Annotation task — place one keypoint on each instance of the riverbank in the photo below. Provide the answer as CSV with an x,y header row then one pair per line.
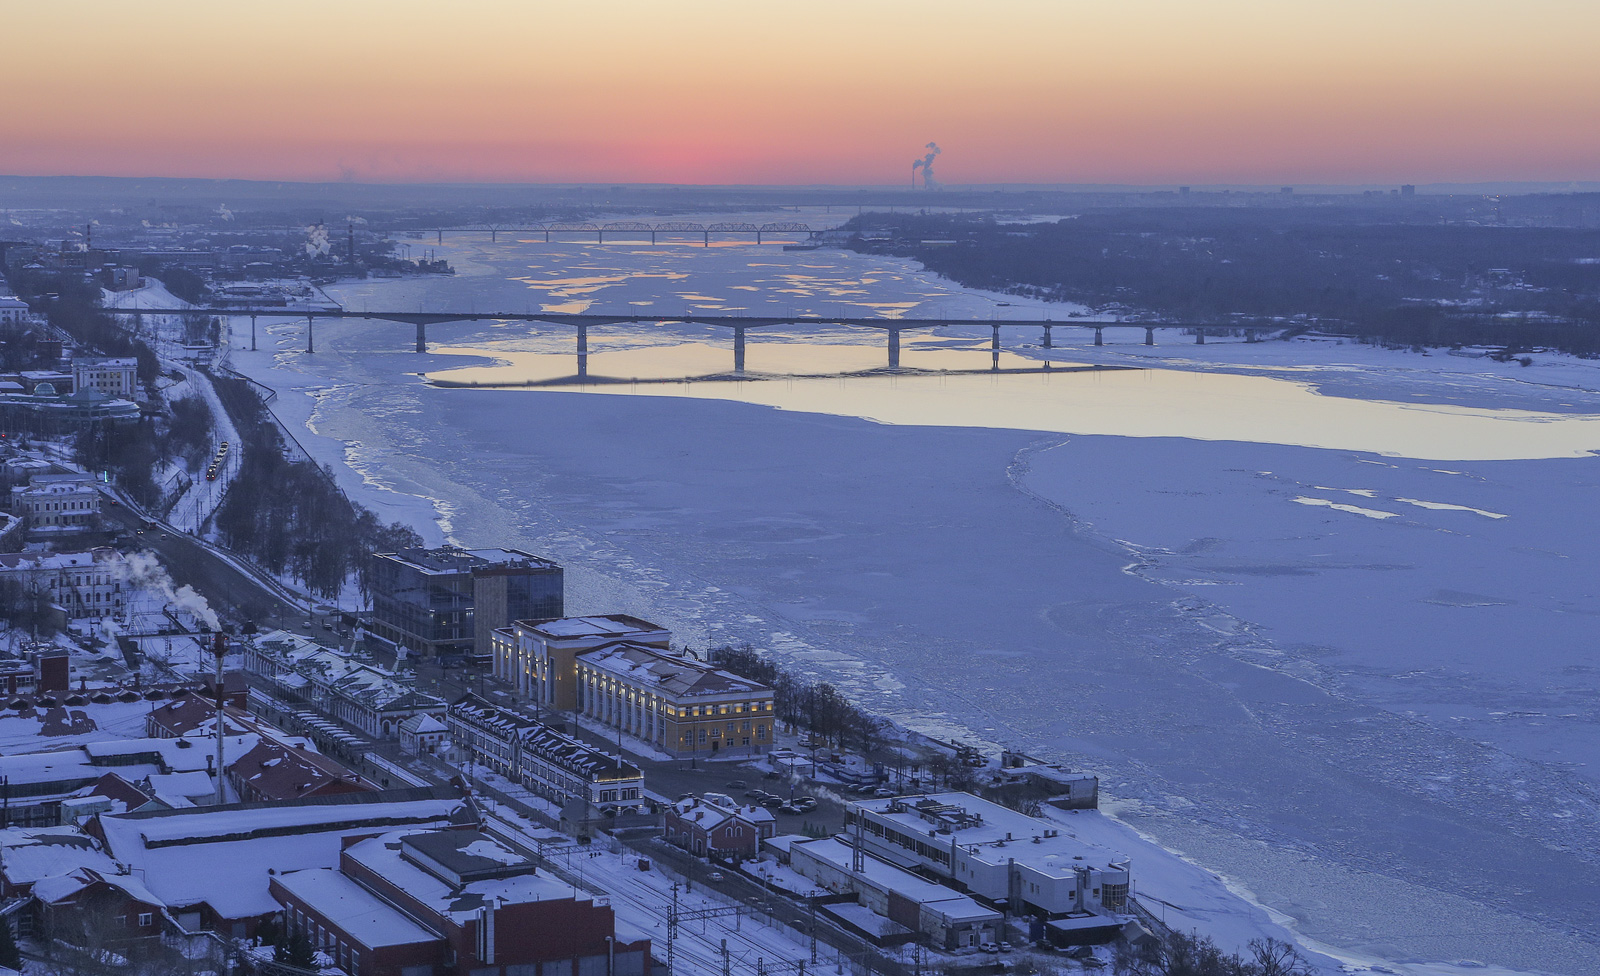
x,y
903,563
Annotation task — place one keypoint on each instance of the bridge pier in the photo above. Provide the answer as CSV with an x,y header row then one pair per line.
x,y
252,333
1199,337
422,337
652,237
707,241
441,236
311,333
894,348
738,349
583,350
1149,337
494,236
1047,337
1099,337
994,343
547,237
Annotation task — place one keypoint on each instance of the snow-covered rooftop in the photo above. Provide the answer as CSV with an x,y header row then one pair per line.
x,y
990,832
369,919
384,856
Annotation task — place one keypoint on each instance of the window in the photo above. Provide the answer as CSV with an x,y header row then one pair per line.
x,y
761,731
122,921
146,919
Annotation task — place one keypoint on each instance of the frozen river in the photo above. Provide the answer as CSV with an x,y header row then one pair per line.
x,y
1322,617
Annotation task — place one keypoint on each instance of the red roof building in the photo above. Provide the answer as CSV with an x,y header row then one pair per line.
x,y
273,771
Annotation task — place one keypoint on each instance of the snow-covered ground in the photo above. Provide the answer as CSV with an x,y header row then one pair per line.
x,y
201,498
1331,676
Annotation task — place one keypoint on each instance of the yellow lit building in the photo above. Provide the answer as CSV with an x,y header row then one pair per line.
x,y
679,705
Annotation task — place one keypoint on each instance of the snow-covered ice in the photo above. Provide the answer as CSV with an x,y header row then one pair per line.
x,y
1376,726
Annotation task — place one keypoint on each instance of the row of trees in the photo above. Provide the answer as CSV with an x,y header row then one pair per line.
x,y
1192,954
291,517
816,706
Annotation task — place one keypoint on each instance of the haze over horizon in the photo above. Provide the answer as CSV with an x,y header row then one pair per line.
x,y
715,92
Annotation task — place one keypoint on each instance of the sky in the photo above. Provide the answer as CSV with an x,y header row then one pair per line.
x,y
804,91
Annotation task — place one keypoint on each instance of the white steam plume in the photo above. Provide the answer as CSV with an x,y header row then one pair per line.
x,y
145,571
316,240
926,165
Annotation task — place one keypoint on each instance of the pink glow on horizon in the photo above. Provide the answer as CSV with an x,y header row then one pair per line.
x,y
706,91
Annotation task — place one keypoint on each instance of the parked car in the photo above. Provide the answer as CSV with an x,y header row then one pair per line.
x,y
754,794
737,784
772,802
1005,947
990,947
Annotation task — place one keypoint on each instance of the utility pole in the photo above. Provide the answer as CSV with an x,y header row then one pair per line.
x,y
813,901
672,927
219,647
727,969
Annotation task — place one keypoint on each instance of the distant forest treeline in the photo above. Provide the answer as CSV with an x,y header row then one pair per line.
x,y
1414,284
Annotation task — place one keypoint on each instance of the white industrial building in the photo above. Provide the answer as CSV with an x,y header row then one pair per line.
x,y
949,918
1004,858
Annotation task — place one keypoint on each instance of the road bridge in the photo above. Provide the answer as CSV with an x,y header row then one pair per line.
x,y
739,325
634,230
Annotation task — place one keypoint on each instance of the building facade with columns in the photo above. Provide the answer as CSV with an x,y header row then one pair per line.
x,y
682,706
540,657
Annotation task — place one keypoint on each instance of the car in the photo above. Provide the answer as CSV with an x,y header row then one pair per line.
x,y
884,791
737,784
990,947
806,799
1005,947
805,806
789,808
714,876
755,794
772,802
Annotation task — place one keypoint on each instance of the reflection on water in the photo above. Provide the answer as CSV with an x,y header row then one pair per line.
x,y
942,383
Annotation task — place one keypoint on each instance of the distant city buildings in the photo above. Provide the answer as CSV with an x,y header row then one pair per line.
x,y
446,602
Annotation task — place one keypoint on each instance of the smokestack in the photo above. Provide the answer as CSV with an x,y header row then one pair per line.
x,y
219,647
88,236
350,248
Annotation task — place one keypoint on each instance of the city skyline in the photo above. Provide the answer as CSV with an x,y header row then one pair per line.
x,y
705,91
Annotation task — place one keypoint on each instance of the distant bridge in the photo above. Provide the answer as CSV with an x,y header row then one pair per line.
x,y
624,229
581,322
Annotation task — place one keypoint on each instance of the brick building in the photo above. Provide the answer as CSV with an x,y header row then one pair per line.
x,y
423,903
704,828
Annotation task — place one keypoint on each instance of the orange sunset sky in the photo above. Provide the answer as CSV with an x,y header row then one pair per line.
x,y
819,91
